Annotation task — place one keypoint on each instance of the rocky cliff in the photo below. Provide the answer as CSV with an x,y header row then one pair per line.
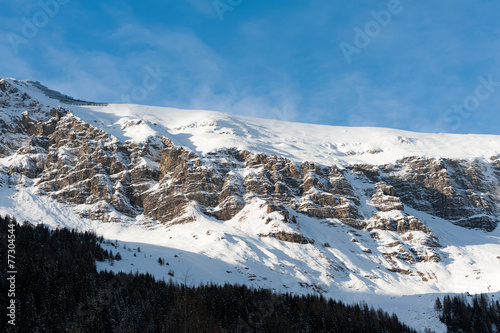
x,y
80,164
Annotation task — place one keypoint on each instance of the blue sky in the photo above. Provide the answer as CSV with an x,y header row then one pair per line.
x,y
428,66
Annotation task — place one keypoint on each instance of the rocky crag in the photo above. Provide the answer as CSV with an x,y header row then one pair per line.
x,y
104,179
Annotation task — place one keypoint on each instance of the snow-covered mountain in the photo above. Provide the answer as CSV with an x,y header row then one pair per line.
x,y
386,216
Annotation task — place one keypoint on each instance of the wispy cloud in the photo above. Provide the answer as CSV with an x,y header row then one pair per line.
x,y
275,59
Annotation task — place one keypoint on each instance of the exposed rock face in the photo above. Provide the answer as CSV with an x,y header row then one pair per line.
x,y
385,198
78,163
289,237
454,190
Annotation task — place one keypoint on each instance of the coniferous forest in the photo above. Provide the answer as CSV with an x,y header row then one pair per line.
x,y
476,315
58,289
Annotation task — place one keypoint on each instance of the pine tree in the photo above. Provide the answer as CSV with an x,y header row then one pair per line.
x,y
437,305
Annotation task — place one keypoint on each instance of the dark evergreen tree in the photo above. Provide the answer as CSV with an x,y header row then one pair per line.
x,y
478,314
437,305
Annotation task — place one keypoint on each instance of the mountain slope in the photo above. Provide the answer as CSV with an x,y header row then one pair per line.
x,y
355,212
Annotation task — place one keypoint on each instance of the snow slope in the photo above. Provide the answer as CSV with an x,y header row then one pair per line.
x,y
206,131
211,250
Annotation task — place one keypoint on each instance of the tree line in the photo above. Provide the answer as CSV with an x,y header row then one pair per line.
x,y
479,314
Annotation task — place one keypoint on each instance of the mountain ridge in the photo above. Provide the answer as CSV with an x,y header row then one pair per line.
x,y
204,131
315,208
